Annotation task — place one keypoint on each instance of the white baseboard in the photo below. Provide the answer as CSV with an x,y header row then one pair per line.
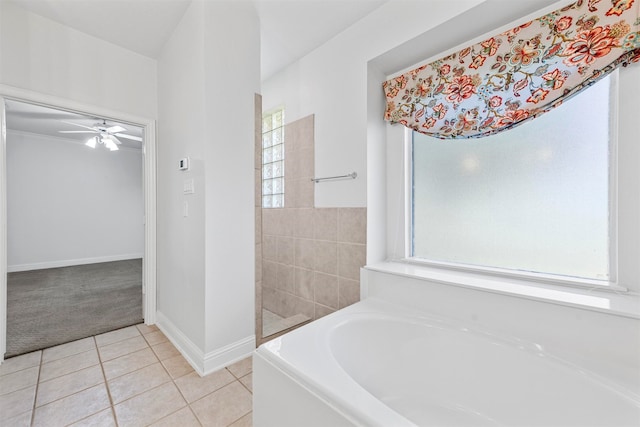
x,y
70,262
191,352
229,354
203,363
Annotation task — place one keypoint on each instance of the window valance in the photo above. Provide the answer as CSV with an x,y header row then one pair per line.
x,y
519,74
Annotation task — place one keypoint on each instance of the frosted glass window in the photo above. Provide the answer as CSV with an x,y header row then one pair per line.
x,y
273,159
535,198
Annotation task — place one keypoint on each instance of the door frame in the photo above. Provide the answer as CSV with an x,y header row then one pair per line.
x,y
149,150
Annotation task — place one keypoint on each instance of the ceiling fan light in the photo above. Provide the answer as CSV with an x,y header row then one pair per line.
x,y
91,142
110,144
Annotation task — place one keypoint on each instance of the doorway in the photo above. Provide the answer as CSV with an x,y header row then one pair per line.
x,y
147,130
75,235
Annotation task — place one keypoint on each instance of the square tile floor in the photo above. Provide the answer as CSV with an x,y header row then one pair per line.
x,y
129,377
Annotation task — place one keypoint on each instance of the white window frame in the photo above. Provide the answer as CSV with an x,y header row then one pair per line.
x,y
548,278
624,211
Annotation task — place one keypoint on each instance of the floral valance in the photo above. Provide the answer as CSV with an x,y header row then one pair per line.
x,y
519,74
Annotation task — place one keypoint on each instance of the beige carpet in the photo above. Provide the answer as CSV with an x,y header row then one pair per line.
x,y
57,305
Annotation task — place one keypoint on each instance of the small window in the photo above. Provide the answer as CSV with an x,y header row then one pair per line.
x,y
533,199
273,159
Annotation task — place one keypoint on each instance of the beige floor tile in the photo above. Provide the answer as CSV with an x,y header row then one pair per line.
x,y
241,367
247,380
72,408
224,406
194,387
69,364
246,421
165,350
147,329
17,403
137,382
149,407
183,418
177,366
21,362
101,419
66,385
154,338
121,348
22,420
19,380
68,349
129,363
117,335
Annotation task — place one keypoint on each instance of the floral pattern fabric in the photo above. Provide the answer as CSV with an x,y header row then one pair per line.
x,y
519,74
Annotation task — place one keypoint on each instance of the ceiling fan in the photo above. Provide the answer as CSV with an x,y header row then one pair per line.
x,y
107,135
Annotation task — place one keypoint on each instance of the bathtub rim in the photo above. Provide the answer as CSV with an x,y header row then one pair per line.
x,y
321,363
314,339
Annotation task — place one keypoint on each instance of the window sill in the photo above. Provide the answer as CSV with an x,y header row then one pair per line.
x,y
612,302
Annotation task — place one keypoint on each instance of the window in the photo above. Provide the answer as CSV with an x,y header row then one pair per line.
x,y
534,199
273,159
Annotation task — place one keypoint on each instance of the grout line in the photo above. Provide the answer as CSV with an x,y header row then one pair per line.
x,y
229,370
242,384
176,411
106,384
130,372
120,342
35,393
69,395
89,416
186,401
73,355
242,416
144,391
194,414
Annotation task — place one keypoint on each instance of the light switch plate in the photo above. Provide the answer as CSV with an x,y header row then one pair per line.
x,y
188,187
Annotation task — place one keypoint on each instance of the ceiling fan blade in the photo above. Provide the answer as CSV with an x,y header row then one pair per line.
x,y
125,136
114,139
82,126
115,129
77,131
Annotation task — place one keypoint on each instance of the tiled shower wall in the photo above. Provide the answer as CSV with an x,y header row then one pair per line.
x,y
311,257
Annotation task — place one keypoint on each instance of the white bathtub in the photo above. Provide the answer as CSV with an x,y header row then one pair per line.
x,y
380,364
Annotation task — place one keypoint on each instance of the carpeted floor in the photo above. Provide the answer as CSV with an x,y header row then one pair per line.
x,y
57,305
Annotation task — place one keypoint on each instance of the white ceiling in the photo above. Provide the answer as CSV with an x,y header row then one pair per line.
x,y
142,26
289,29
24,117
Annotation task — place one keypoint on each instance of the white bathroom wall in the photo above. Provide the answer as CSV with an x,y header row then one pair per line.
x,y
181,133
206,112
331,82
232,67
68,204
41,55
